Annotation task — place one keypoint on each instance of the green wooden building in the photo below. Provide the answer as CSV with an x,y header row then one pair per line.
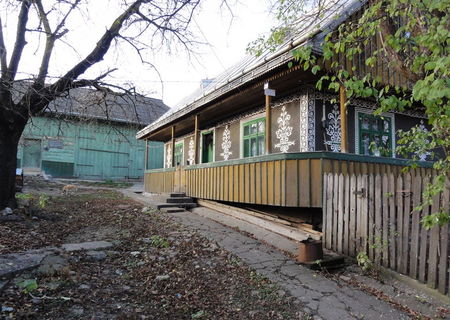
x,y
90,135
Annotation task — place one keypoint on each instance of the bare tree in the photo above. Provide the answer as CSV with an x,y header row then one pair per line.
x,y
142,24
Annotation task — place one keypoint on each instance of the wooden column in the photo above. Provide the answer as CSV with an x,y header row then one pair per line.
x,y
268,125
343,107
173,146
196,138
146,155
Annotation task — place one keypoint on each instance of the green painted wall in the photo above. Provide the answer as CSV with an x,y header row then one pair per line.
x,y
86,150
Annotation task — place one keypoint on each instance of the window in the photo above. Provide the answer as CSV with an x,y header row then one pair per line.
x,y
179,154
207,146
375,135
254,137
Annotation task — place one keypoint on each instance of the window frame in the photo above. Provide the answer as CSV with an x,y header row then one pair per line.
x,y
391,116
178,143
202,133
246,122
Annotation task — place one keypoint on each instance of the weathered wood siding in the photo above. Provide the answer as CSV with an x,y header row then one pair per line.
x,y
375,214
291,180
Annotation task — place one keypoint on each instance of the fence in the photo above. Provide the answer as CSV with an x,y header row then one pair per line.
x,y
375,214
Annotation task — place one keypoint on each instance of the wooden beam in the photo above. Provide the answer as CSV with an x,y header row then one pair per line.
x,y
343,107
268,125
173,146
146,155
196,138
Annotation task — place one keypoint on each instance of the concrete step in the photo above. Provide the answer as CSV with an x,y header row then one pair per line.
x,y
180,200
176,205
172,210
177,194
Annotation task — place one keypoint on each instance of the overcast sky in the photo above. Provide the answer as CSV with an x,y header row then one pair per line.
x,y
181,73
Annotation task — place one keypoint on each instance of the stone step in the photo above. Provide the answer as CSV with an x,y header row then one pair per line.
x,y
172,210
180,200
175,205
177,194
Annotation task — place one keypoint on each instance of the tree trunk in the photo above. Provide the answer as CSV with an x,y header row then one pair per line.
x,y
9,140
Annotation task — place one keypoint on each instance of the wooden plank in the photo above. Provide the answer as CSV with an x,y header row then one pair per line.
x,y
236,183
291,183
340,222
444,245
399,199
258,183
277,183
241,183
286,231
424,242
264,183
352,224
385,220
417,196
335,210
329,230
434,243
325,210
283,183
304,185
252,183
371,215
316,183
364,214
378,219
392,223
406,221
358,213
270,183
247,183
346,214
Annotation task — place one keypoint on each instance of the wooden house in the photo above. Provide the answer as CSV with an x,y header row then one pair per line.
x,y
89,135
261,134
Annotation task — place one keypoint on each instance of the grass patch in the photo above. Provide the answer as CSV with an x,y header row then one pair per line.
x,y
107,183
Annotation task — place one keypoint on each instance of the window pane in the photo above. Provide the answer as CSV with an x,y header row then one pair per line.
x,y
253,147
261,145
387,125
246,148
365,144
261,126
365,123
246,130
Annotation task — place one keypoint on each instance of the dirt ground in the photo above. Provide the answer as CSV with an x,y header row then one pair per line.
x,y
156,269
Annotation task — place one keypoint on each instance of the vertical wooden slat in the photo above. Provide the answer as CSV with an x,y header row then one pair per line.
x,y
236,183
324,211
359,234
352,224
406,221
264,183
364,214
247,182
304,185
399,199
291,183
385,218
329,231
434,243
270,182
258,183
335,210
371,215
378,219
444,252
316,183
417,193
423,243
346,214
340,213
241,183
277,183
252,182
392,223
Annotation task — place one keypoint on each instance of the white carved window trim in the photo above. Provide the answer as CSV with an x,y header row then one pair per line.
x,y
189,138
393,133
226,153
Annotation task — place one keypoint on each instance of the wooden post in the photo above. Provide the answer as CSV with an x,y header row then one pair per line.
x,y
173,146
268,125
146,155
196,140
343,107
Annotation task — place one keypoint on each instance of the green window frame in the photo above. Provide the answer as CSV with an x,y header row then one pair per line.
x,y
253,137
375,135
179,154
207,154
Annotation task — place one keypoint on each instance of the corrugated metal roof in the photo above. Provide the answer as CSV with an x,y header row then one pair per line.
x,y
311,29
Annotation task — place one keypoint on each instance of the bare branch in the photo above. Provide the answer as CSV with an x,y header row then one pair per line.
x,y
20,40
49,44
3,63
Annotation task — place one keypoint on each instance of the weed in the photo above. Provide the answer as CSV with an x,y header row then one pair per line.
x,y
159,242
199,315
24,196
43,200
27,285
363,261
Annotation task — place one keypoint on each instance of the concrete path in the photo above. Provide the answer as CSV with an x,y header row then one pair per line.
x,y
319,296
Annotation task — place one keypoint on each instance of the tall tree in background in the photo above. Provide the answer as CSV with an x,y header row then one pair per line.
x,y
412,39
141,24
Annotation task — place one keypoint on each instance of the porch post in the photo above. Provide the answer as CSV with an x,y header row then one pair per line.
x,y
146,154
196,140
343,107
173,146
268,124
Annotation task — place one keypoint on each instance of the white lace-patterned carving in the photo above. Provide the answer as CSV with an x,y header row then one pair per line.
x,y
423,156
333,130
191,151
226,143
307,122
169,156
284,131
